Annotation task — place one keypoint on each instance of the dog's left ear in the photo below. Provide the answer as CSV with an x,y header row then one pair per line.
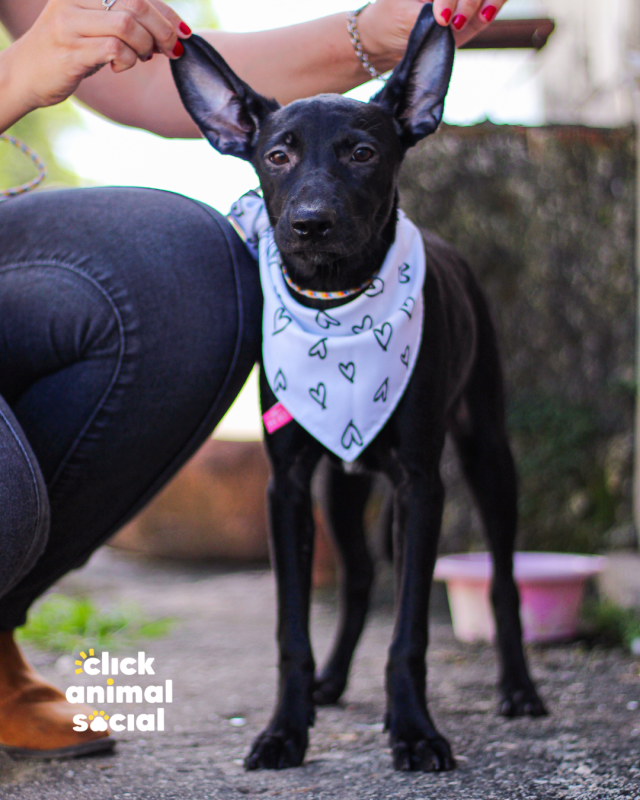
x,y
414,94
226,109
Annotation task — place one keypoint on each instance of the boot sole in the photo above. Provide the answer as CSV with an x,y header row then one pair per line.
x,y
72,751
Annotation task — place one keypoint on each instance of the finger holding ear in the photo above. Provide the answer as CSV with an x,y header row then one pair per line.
x,y
98,50
485,14
466,17
180,26
117,25
121,56
443,11
462,12
488,10
472,16
154,19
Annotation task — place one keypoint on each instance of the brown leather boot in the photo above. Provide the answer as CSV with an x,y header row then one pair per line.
x,y
36,721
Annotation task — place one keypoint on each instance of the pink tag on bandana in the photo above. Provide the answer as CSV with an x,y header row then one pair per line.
x,y
276,417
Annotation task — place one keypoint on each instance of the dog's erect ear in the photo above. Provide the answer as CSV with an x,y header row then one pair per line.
x,y
415,92
224,107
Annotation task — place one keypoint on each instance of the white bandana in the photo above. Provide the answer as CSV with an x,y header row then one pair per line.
x,y
339,373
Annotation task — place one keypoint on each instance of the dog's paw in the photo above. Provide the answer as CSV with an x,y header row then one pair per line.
x,y
521,703
328,689
277,747
423,755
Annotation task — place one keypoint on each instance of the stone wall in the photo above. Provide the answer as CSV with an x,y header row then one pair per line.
x,y
546,218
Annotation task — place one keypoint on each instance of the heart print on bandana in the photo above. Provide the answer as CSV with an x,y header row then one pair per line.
x,y
280,320
348,370
319,394
365,325
319,349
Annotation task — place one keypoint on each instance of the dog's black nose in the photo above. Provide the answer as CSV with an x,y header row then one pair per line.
x,y
313,222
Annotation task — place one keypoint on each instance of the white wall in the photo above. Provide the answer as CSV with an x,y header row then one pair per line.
x,y
587,69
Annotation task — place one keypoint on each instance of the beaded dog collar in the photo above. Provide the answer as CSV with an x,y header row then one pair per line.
x,y
324,295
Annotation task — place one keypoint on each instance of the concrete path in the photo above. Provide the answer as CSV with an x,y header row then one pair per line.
x,y
221,656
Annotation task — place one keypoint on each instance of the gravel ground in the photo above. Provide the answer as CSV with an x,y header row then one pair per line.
x,y
221,655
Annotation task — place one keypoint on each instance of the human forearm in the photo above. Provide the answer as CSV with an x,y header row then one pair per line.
x,y
14,99
300,60
317,56
286,63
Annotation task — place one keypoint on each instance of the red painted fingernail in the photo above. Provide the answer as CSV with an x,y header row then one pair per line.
x,y
184,28
458,21
489,13
178,50
446,15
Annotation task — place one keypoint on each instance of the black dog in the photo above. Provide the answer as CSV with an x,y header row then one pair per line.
x,y
328,167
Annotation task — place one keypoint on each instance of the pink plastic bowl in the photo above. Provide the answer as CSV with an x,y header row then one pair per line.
x,y
551,590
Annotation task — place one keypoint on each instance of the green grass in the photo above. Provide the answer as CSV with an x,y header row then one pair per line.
x,y
65,624
611,625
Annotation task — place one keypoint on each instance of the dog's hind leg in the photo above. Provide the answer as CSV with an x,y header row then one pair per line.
x,y
478,429
345,497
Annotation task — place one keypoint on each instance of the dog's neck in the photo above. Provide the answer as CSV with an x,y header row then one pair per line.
x,y
345,274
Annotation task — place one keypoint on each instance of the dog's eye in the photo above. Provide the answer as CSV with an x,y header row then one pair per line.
x,y
278,158
362,154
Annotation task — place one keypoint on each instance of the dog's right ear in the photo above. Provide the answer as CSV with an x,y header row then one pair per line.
x,y
224,107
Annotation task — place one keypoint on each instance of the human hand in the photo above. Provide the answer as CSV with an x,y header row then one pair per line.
x,y
386,24
72,39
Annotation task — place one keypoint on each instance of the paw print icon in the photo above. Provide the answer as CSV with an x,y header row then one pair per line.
x,y
98,722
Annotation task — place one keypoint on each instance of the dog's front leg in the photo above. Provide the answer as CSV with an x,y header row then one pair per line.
x,y
284,741
415,742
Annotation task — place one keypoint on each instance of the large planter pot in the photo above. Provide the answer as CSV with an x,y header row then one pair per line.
x,y
551,587
215,509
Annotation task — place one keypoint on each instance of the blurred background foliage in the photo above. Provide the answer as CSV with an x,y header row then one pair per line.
x,y
41,128
546,218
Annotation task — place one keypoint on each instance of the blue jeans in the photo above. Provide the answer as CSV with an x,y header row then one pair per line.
x,y
129,320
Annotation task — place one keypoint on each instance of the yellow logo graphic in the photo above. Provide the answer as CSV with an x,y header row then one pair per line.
x,y
98,722
79,663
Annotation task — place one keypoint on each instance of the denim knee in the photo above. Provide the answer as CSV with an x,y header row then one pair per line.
x,y
24,505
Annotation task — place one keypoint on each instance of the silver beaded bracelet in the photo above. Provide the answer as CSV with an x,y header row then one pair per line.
x,y
354,35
